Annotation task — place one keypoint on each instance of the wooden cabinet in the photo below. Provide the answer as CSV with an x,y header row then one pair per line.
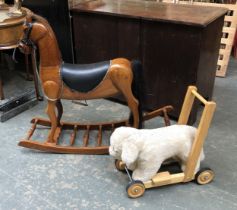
x,y
177,44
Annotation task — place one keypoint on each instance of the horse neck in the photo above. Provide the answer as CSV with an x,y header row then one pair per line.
x,y
49,51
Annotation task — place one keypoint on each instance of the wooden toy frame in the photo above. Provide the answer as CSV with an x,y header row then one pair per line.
x,y
136,188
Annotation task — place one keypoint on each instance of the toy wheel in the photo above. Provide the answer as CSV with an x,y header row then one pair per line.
x,y
119,165
204,176
135,189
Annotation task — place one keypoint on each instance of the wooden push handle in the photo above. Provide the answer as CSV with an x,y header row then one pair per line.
x,y
202,129
199,97
188,103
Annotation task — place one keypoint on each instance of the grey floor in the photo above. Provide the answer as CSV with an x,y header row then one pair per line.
x,y
35,180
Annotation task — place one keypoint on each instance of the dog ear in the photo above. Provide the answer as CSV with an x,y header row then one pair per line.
x,y
130,151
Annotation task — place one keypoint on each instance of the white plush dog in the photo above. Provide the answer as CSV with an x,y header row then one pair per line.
x,y
143,151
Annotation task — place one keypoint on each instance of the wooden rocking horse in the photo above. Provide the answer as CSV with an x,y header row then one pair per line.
x,y
78,82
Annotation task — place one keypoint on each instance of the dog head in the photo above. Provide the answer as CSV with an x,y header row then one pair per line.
x,y
118,137
125,146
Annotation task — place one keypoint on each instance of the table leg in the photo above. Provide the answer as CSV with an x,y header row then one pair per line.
x,y
1,89
36,81
28,77
1,83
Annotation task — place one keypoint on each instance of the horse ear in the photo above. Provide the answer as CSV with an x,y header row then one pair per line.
x,y
130,151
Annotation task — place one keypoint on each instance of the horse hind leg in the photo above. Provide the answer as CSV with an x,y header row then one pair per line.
x,y
125,88
122,78
138,89
133,105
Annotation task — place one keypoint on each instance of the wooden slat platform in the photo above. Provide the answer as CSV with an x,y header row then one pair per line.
x,y
97,147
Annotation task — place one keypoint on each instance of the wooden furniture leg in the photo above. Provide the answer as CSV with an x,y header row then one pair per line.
x,y
28,77
36,83
1,89
1,83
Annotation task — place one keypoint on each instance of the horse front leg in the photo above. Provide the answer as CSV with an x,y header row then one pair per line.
x,y
50,110
51,90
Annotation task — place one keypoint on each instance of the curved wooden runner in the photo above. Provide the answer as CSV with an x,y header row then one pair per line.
x,y
28,142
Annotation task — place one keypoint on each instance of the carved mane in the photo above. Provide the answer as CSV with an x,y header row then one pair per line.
x,y
51,33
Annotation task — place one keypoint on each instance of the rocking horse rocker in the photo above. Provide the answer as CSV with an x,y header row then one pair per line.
x,y
79,82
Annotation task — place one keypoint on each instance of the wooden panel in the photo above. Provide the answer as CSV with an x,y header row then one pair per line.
x,y
208,58
170,63
229,30
95,38
128,38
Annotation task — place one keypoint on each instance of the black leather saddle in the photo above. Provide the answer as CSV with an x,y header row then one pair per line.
x,y
84,77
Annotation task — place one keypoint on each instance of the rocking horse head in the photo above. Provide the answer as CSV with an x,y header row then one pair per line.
x,y
37,31
79,81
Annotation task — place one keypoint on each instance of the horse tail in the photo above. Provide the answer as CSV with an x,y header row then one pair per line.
x,y
138,90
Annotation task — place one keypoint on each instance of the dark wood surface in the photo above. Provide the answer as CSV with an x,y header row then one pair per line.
x,y
174,53
175,13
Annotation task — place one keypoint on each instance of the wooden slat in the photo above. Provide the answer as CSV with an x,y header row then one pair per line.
x,y
166,118
47,147
222,71
231,20
222,62
73,136
31,131
228,30
228,47
99,136
86,136
187,106
70,125
225,41
158,112
164,178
